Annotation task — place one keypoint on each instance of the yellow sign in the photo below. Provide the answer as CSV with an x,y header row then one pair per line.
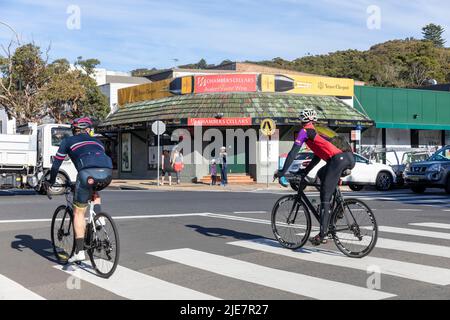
x,y
322,86
268,127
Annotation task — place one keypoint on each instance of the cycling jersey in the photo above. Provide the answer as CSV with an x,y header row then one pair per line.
x,y
85,152
319,144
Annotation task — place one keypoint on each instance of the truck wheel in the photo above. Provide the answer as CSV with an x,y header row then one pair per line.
x,y
355,187
60,180
418,189
384,181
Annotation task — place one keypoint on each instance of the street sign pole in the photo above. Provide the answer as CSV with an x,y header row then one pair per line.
x,y
268,138
159,155
158,128
268,127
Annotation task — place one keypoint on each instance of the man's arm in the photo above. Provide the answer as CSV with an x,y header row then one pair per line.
x,y
58,160
301,139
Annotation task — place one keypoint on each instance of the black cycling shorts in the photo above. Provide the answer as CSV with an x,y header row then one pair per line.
x,y
83,190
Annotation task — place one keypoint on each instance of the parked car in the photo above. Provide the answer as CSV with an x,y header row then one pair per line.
x,y
433,173
364,174
391,156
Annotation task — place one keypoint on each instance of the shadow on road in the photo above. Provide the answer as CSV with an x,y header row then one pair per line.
x,y
223,233
42,247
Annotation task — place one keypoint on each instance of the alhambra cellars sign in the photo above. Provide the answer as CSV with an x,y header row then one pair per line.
x,y
225,83
222,122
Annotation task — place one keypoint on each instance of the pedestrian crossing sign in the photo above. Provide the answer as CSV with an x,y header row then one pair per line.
x,y
268,127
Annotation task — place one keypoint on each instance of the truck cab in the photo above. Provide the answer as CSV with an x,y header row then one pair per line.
x,y
27,156
49,137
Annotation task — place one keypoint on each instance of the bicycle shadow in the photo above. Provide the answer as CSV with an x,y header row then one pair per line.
x,y
42,247
224,233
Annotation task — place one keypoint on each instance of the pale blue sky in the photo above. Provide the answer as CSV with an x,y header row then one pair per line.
x,y
125,35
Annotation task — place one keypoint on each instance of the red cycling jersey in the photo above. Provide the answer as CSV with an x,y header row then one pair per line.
x,y
321,147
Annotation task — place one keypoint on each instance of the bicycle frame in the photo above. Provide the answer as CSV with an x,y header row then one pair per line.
x,y
90,208
337,199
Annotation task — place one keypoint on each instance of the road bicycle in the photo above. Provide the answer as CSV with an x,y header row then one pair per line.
x,y
353,226
101,238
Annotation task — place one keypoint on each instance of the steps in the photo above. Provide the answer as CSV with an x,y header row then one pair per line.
x,y
232,179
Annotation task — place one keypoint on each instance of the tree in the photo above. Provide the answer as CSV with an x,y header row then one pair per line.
x,y
31,88
434,34
202,64
23,75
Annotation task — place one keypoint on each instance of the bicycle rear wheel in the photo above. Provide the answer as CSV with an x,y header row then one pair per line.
x,y
63,234
354,228
104,248
291,222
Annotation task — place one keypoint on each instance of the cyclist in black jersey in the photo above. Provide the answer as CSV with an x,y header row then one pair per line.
x,y
94,173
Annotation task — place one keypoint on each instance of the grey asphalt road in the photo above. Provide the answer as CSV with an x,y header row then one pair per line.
x,y
206,245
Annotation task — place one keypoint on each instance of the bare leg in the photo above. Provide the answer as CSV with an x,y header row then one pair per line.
x,y
79,222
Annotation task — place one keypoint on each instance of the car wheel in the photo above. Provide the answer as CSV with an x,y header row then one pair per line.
x,y
384,181
418,189
355,187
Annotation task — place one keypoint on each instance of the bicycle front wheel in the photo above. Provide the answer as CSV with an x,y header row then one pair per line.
x,y
354,228
104,248
63,234
291,222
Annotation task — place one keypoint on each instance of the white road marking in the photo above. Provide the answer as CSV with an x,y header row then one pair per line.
x,y
414,247
282,280
134,285
149,216
412,271
410,210
432,225
11,290
415,232
243,212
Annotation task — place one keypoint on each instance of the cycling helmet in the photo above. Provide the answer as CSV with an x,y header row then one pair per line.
x,y
82,123
308,115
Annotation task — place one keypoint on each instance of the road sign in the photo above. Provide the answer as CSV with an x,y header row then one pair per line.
x,y
268,127
158,127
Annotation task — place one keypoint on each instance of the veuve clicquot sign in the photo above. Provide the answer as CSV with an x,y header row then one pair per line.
x,y
218,83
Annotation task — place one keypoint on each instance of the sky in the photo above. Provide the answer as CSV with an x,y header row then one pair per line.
x,y
129,34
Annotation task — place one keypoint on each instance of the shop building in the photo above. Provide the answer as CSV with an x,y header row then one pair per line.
x,y
205,111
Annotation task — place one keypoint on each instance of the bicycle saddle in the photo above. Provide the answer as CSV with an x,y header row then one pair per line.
x,y
346,173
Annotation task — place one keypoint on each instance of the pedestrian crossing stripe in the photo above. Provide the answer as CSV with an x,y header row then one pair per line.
x,y
296,283
11,290
411,271
432,225
135,285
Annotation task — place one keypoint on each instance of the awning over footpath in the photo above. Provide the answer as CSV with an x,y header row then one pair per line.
x,y
284,108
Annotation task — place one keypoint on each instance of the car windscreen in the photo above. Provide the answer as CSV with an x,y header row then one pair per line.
x,y
441,155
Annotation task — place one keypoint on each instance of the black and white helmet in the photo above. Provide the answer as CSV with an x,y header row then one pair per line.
x,y
308,115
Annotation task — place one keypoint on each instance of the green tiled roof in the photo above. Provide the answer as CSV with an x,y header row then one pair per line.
x,y
254,105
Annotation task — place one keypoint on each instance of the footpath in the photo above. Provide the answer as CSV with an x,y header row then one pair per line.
x,y
123,184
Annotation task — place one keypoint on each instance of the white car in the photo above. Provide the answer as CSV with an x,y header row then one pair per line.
x,y
365,172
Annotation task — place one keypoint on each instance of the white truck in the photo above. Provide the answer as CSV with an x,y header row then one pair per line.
x,y
27,156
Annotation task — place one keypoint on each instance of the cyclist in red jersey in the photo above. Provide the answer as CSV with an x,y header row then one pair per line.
x,y
338,159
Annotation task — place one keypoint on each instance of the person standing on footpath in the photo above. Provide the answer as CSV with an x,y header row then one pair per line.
x,y
166,167
178,163
213,172
223,166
